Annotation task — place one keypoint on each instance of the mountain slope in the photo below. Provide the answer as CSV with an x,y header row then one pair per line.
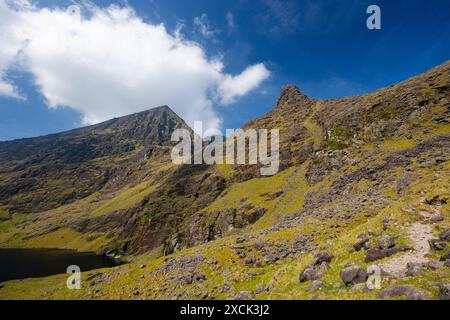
x,y
361,178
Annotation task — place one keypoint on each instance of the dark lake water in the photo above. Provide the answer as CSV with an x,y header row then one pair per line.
x,y
31,263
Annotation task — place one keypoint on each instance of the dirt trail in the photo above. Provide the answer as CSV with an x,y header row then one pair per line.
x,y
419,234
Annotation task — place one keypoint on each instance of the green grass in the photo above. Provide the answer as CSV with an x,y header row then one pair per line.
x,y
126,199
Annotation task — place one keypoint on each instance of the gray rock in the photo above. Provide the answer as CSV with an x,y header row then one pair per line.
x,y
359,287
323,257
386,242
445,235
436,219
310,273
409,291
353,274
437,244
316,284
261,288
444,291
445,257
434,264
243,295
363,243
413,269
324,266
373,254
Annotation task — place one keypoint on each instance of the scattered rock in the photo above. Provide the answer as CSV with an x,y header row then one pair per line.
x,y
316,284
323,257
434,264
310,273
261,288
142,266
258,246
240,240
413,269
359,287
437,244
444,291
373,254
386,242
435,201
363,243
243,295
445,235
409,291
353,274
436,218
324,266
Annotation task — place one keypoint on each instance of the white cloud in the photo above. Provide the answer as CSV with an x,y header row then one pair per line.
x,y
204,27
108,62
232,87
230,20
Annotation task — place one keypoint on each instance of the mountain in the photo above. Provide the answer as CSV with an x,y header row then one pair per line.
x,y
43,173
363,180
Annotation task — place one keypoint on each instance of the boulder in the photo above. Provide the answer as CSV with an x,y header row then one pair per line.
x,y
373,254
353,274
310,273
436,218
437,244
386,242
445,257
323,257
316,284
445,235
324,266
363,243
413,269
434,264
409,291
444,291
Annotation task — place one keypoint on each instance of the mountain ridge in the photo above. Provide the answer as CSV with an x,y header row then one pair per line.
x,y
363,167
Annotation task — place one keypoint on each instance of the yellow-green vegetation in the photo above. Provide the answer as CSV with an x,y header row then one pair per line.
x,y
126,199
398,144
315,131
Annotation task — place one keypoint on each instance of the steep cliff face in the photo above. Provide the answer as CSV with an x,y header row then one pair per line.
x,y
352,170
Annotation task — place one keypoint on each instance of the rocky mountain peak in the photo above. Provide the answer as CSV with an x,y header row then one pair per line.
x,y
290,94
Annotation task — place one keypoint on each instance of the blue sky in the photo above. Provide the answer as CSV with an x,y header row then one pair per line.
x,y
322,46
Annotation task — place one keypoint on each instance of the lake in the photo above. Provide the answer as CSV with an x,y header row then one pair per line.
x,y
31,263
